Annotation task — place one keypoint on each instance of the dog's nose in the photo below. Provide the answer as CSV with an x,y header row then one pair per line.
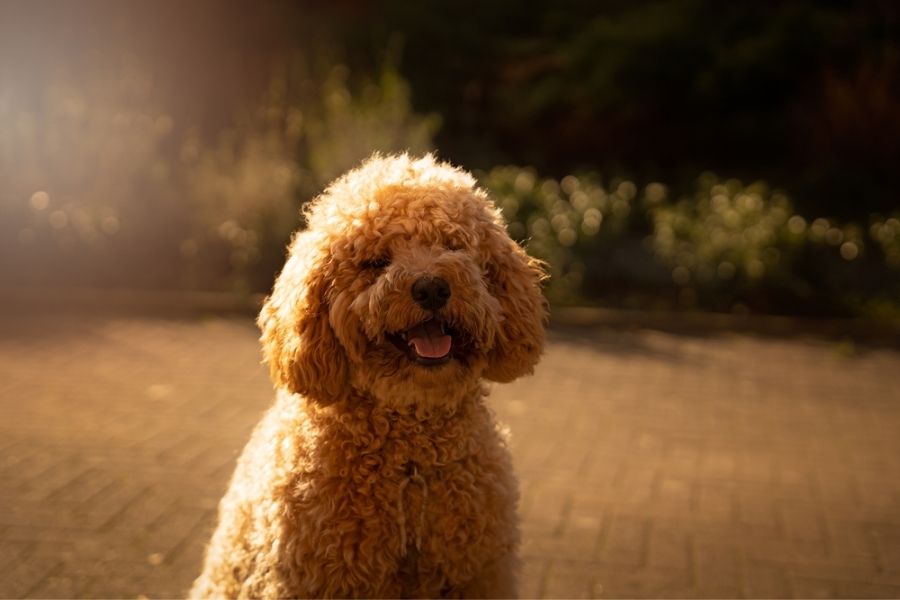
x,y
431,293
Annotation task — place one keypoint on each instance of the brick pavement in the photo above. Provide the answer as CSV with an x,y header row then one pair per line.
x,y
651,464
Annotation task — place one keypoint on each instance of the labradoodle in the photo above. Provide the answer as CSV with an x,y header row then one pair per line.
x,y
380,471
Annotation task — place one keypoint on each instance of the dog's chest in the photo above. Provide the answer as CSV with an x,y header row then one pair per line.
x,y
446,521
418,509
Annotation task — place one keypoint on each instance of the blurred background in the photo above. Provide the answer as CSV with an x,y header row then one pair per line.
x,y
736,157
698,174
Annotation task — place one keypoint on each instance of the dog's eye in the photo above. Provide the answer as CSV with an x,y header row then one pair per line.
x,y
376,264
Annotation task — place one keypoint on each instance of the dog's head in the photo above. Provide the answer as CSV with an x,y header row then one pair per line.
x,y
404,286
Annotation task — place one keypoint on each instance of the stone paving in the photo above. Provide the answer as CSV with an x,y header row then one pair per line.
x,y
651,464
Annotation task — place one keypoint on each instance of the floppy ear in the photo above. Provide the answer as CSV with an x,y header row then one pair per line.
x,y
299,343
515,280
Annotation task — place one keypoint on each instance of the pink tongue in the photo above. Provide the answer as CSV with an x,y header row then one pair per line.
x,y
428,347
429,341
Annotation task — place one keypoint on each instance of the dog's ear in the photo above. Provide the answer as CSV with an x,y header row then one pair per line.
x,y
514,278
304,355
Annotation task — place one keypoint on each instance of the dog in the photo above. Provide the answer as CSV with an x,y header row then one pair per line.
x,y
380,471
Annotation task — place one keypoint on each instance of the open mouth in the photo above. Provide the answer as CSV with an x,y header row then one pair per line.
x,y
430,343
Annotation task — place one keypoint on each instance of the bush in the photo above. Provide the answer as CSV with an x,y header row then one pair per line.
x,y
101,186
247,190
574,224
740,246
727,247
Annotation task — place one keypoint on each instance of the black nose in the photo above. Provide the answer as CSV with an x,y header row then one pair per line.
x,y
431,293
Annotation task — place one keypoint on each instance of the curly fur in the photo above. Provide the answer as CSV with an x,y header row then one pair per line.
x,y
372,475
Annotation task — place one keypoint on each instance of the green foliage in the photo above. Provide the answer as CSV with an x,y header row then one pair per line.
x,y
102,186
886,234
347,127
729,246
247,189
568,223
802,94
731,243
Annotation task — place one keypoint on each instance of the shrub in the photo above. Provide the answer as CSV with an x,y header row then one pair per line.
x,y
101,186
247,190
728,246
572,223
731,245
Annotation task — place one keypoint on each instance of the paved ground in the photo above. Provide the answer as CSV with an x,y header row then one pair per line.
x,y
651,464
